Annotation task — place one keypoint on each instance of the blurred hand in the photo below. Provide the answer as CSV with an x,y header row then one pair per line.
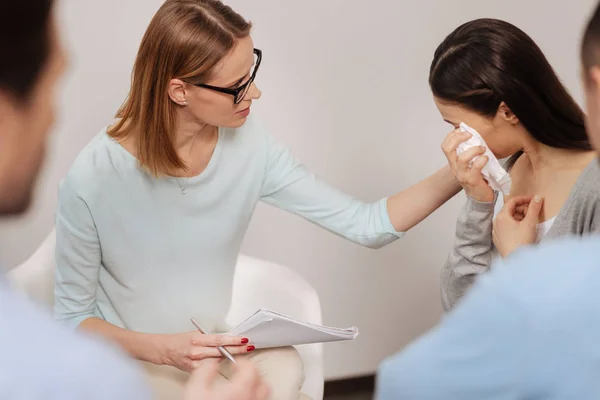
x,y
246,383
516,224
469,177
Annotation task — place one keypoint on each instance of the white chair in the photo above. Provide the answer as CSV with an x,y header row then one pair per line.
x,y
257,284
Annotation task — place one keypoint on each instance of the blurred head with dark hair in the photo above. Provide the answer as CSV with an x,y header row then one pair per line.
x,y
32,62
590,58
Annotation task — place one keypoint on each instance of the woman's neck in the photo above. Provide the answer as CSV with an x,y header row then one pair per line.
x,y
195,144
545,159
548,172
187,135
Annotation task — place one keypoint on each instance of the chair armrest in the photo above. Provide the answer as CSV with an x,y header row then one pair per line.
x,y
35,277
262,284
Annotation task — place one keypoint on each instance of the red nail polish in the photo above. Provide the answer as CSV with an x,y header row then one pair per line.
x,y
245,340
251,348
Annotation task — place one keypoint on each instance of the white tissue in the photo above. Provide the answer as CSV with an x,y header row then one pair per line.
x,y
494,174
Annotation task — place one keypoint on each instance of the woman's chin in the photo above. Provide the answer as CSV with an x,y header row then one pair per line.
x,y
236,123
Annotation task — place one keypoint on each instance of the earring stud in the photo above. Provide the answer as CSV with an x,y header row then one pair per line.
x,y
185,103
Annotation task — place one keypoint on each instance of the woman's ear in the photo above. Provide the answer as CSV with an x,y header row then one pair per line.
x,y
506,114
177,91
592,77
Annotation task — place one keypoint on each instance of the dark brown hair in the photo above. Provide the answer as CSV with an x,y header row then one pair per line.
x,y
185,40
487,61
24,44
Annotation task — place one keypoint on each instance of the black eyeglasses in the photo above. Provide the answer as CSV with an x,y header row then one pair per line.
x,y
239,92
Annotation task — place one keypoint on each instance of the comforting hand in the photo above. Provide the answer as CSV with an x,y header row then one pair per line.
x,y
516,223
469,177
186,350
246,383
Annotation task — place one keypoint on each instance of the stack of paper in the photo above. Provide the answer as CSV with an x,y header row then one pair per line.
x,y
267,329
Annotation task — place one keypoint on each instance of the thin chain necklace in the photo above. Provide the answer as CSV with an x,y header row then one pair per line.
x,y
184,187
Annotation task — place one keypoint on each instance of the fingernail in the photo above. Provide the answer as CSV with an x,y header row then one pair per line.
x,y
251,348
245,340
537,198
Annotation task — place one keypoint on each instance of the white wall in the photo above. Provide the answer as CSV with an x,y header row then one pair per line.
x,y
345,85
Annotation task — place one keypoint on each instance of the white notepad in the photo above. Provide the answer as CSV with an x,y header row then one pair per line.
x,y
267,329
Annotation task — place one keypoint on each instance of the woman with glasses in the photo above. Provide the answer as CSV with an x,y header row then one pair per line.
x,y
152,214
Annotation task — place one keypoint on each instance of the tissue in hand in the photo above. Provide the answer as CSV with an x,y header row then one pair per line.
x,y
494,174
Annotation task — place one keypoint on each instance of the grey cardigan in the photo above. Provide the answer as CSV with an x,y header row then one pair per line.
x,y
474,250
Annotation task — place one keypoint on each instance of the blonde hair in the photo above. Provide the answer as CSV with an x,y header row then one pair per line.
x,y
185,40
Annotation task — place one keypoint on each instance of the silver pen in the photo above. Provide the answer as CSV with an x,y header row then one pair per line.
x,y
221,349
